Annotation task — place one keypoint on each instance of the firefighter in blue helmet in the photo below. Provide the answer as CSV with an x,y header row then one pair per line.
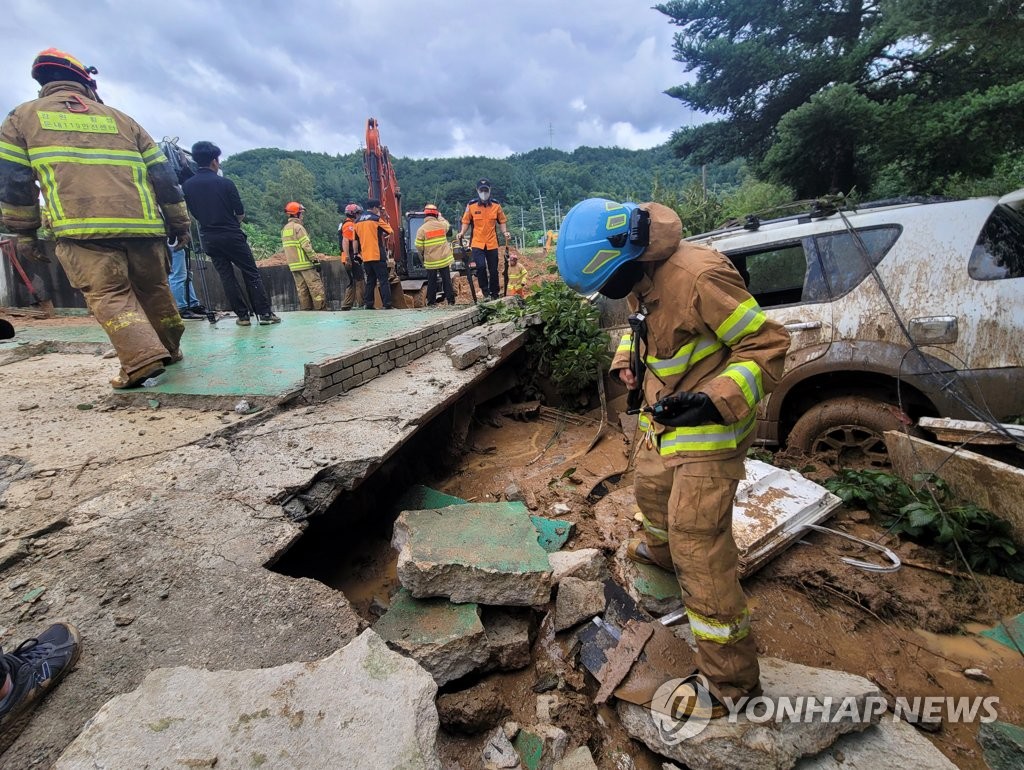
x,y
699,356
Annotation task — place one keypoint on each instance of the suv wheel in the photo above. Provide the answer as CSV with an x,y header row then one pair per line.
x,y
847,431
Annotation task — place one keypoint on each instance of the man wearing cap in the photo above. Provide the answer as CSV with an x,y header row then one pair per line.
x,y
433,245
485,216
113,201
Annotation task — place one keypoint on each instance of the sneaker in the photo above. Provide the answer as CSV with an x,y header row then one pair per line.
x,y
243,321
269,319
190,314
124,381
35,667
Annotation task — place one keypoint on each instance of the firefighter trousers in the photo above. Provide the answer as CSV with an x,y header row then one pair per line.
x,y
310,288
688,527
124,281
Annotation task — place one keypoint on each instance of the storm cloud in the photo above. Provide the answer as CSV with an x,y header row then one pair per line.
x,y
443,78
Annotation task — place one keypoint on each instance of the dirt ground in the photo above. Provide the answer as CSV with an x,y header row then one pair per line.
x,y
906,631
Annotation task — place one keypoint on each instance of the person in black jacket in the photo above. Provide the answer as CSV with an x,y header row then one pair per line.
x,y
216,205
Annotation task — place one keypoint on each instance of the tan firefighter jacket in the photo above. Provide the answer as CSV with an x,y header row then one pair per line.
x,y
297,246
704,333
101,174
432,242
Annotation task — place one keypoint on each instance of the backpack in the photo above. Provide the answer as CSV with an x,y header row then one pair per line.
x,y
180,160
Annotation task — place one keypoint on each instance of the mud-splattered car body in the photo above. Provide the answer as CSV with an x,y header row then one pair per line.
x,y
895,310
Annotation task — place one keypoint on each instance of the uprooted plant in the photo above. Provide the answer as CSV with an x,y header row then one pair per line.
x,y
568,345
928,513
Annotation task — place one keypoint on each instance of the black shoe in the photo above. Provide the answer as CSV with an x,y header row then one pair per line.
x,y
35,668
269,319
190,314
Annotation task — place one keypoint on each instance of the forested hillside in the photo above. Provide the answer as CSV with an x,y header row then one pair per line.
x,y
269,178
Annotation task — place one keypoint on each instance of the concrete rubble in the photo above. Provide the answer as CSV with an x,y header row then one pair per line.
x,y
447,639
494,340
472,553
289,716
1003,745
586,564
474,710
498,752
578,759
888,743
577,600
509,638
765,745
540,746
654,589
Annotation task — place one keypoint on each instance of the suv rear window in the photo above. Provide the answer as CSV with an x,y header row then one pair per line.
x,y
999,252
843,263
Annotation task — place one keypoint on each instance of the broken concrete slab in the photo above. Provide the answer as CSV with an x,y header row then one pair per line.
x,y
890,742
654,589
478,552
1003,745
577,600
743,744
289,716
419,498
446,639
971,431
465,350
971,476
585,564
578,759
508,635
1010,627
481,707
498,752
552,534
540,746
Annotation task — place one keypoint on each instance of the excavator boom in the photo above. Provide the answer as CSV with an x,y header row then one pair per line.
x,y
383,186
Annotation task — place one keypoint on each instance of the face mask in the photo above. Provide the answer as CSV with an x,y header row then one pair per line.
x,y
484,194
622,281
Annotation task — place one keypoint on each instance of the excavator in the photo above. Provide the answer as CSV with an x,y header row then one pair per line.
x,y
383,186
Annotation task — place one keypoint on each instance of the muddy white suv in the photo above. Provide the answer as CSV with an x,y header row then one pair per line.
x,y
927,319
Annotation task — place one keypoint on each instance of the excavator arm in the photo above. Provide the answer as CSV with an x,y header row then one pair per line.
x,y
383,186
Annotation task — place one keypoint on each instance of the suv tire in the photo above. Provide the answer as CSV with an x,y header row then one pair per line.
x,y
848,431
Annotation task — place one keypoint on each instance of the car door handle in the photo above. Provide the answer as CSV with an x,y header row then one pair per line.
x,y
803,326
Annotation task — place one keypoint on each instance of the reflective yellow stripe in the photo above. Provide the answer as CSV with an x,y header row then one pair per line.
x,y
437,264
684,358
85,156
145,195
21,217
153,156
747,375
298,258
48,182
14,153
746,319
108,225
625,343
656,532
716,631
701,438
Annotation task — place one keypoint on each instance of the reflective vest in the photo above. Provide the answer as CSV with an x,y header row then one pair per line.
x,y
101,174
517,278
432,242
297,246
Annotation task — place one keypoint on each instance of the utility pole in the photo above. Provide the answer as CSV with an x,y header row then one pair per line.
x,y
704,180
522,225
543,221
551,134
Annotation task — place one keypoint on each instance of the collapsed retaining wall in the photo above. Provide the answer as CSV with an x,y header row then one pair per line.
x,y
338,375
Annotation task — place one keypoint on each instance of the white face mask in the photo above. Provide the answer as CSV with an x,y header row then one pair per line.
x,y
484,194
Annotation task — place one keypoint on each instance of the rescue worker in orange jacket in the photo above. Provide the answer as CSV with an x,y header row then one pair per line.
x,y
113,201
355,287
710,356
369,231
302,260
433,244
486,216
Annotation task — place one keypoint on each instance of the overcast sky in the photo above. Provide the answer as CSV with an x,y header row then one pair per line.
x,y
444,78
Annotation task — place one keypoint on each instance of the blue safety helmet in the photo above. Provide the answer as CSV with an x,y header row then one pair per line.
x,y
597,237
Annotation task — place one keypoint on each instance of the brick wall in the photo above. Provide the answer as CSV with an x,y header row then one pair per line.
x,y
338,375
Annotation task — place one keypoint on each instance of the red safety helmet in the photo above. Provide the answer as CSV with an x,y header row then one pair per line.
x,y
431,210
294,208
54,64
353,210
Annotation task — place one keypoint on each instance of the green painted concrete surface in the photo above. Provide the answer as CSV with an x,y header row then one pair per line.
x,y
427,621
1002,744
1015,626
489,536
552,534
224,359
530,748
655,582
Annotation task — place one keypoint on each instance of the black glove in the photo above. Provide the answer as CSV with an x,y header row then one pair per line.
x,y
686,410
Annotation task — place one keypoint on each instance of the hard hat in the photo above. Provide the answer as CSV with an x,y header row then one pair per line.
x,y
597,237
431,210
513,257
353,210
294,208
54,64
